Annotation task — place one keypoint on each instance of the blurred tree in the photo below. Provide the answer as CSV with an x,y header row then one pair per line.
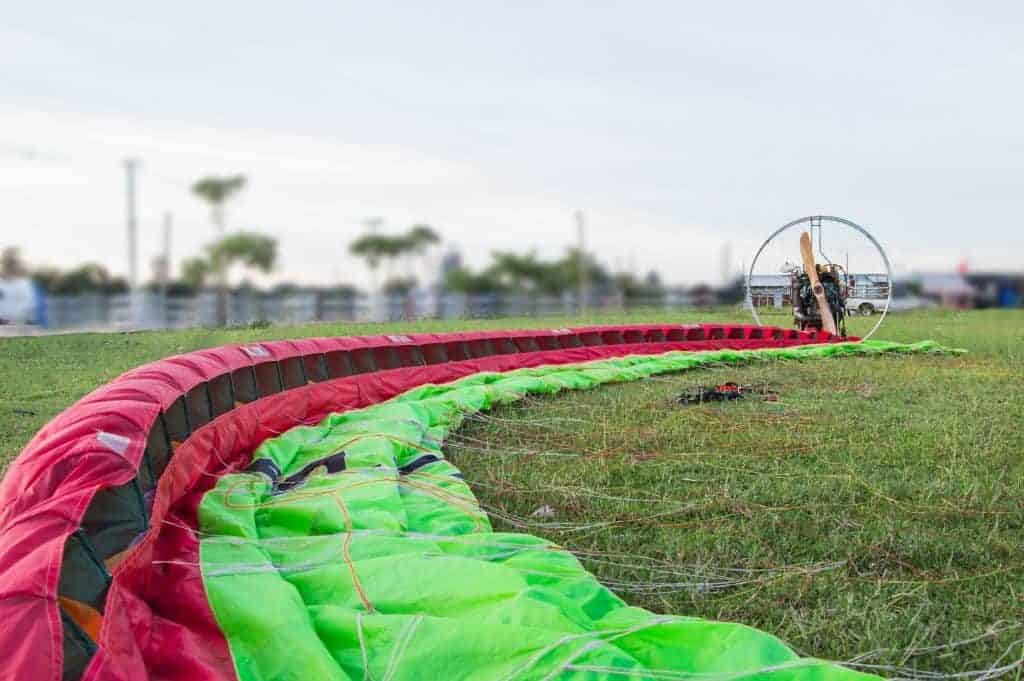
x,y
703,295
46,278
526,273
12,266
399,286
521,272
650,289
373,248
462,280
287,288
344,290
376,248
174,288
571,264
88,278
216,191
252,250
418,241
195,271
421,237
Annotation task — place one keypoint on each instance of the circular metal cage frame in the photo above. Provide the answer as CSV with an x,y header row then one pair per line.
x,y
818,219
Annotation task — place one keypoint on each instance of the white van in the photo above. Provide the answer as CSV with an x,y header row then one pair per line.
x,y
866,293
19,301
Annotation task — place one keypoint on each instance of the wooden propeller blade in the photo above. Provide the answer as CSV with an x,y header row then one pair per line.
x,y
807,253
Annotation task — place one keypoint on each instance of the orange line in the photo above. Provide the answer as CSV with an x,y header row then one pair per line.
x,y
346,544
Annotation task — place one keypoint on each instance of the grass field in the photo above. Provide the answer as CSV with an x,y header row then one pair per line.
x,y
875,511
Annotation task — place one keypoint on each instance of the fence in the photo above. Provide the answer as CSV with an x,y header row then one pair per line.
x,y
143,310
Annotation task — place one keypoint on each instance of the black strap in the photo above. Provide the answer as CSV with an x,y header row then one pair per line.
x,y
335,463
417,464
267,467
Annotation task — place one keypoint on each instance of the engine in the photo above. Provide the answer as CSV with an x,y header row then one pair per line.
x,y
805,306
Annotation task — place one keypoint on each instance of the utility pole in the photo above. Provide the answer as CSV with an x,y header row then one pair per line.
x,y
165,266
726,263
168,230
131,165
581,237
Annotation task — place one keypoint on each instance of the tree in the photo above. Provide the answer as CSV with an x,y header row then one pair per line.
x,y
523,272
373,248
216,191
87,278
418,241
253,250
571,264
249,249
462,280
649,290
399,286
421,237
47,278
195,271
526,273
11,264
173,288
378,248
530,274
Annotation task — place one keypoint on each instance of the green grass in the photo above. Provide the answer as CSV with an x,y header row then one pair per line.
x,y
877,506
42,376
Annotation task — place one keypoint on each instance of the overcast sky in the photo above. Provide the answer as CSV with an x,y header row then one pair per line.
x,y
676,126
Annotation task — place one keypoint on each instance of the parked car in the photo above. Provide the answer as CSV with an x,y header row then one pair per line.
x,y
864,306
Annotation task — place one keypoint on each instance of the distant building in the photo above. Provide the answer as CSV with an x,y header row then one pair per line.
x,y
966,290
770,290
949,289
997,289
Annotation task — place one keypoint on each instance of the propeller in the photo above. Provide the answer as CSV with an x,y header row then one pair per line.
x,y
807,253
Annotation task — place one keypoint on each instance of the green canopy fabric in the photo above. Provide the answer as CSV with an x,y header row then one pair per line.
x,y
354,550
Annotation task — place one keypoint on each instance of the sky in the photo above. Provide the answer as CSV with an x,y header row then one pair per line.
x,y
677,127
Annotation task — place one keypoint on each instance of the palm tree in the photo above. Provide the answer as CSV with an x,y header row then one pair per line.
x,y
373,248
421,237
250,249
247,248
216,191
417,241
377,248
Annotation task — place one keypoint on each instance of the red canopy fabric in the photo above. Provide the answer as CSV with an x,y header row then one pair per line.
x,y
157,623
